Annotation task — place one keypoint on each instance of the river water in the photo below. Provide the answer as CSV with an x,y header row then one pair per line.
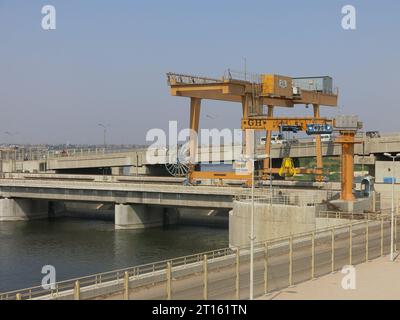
x,y
78,247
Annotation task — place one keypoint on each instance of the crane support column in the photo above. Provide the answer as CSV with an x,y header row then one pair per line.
x,y
195,104
268,141
318,148
347,165
347,141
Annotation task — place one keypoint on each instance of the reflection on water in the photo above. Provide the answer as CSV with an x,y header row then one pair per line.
x,y
78,247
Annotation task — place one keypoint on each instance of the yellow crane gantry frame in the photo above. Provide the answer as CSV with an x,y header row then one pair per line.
x,y
253,97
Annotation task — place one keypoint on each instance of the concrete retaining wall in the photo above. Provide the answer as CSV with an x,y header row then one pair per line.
x,y
270,221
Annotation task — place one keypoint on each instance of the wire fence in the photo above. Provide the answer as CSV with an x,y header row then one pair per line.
x,y
225,273
349,215
23,154
282,199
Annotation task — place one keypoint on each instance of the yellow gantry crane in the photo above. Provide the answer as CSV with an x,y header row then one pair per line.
x,y
259,95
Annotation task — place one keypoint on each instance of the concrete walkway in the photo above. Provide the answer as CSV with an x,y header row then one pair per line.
x,y
377,279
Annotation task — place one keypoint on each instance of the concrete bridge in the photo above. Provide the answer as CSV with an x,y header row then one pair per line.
x,y
113,161
137,204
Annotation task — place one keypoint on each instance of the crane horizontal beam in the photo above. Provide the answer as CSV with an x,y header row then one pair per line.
x,y
235,90
274,124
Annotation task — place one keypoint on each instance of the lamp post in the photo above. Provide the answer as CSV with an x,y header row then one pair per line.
x,y
11,135
245,68
252,231
392,213
104,133
270,182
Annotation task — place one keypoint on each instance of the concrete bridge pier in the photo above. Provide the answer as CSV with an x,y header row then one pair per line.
x,y
23,209
140,216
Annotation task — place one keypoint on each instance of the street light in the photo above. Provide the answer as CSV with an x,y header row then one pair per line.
x,y
392,215
11,135
104,133
245,68
270,182
252,235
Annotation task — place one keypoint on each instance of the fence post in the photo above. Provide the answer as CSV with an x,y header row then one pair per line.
x,y
381,236
395,233
397,207
77,290
238,274
266,268
169,280
333,250
126,285
313,255
351,243
290,261
18,296
367,241
205,279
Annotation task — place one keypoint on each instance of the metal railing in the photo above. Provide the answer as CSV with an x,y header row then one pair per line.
x,y
76,152
43,154
115,275
242,76
222,274
351,215
283,199
176,78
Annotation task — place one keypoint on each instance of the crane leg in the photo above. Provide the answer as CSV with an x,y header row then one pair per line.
x,y
195,104
318,148
268,142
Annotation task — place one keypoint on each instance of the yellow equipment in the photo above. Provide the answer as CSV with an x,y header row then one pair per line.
x,y
277,86
287,169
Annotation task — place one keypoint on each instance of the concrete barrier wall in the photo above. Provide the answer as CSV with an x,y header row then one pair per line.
x,y
270,221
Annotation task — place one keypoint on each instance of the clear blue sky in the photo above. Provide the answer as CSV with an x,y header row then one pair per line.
x,y
106,61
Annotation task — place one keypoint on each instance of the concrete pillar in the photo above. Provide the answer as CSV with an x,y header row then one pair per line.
x,y
117,171
139,170
139,216
23,209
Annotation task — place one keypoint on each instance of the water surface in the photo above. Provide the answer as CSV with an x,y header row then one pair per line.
x,y
78,247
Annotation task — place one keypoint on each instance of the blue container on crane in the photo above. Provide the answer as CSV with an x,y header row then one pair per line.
x,y
314,128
